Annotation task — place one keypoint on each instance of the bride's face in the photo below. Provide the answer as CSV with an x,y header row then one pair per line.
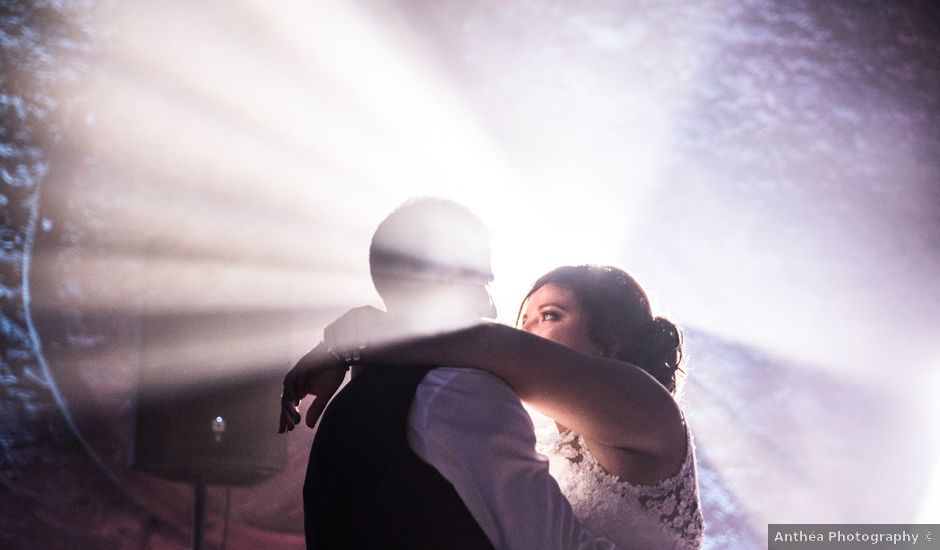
x,y
553,312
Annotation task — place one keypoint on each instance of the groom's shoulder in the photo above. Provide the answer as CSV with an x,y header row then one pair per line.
x,y
460,381
453,392
453,406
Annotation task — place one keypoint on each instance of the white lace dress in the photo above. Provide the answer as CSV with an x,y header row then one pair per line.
x,y
662,516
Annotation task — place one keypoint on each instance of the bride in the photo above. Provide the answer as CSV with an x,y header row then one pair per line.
x,y
592,357
624,459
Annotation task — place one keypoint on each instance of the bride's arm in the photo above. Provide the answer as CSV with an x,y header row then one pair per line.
x,y
611,402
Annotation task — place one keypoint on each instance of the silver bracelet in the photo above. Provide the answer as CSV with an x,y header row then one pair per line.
x,y
348,357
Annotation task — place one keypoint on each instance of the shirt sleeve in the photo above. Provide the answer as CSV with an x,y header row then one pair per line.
x,y
471,427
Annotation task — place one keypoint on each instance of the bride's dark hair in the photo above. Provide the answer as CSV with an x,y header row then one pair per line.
x,y
620,321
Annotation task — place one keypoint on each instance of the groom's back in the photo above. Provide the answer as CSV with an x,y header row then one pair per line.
x,y
365,488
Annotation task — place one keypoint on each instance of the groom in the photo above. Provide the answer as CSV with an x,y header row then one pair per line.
x,y
423,457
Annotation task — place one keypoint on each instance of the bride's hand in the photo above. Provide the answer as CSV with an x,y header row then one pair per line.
x,y
319,373
356,329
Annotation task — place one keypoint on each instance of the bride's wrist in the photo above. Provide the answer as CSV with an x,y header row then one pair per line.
x,y
349,355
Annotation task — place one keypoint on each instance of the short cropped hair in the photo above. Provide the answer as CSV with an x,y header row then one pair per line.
x,y
430,240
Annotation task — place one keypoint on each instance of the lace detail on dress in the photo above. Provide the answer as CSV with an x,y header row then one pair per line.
x,y
673,502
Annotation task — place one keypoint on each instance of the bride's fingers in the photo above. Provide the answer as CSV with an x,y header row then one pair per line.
x,y
289,416
289,419
285,423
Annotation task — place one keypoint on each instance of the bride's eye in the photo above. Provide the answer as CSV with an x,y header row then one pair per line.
x,y
550,316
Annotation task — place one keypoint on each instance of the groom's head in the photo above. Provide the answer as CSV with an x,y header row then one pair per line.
x,y
431,257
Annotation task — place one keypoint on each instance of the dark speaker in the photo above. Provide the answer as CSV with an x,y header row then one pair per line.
x,y
208,397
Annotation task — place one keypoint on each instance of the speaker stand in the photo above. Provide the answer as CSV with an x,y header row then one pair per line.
x,y
199,512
